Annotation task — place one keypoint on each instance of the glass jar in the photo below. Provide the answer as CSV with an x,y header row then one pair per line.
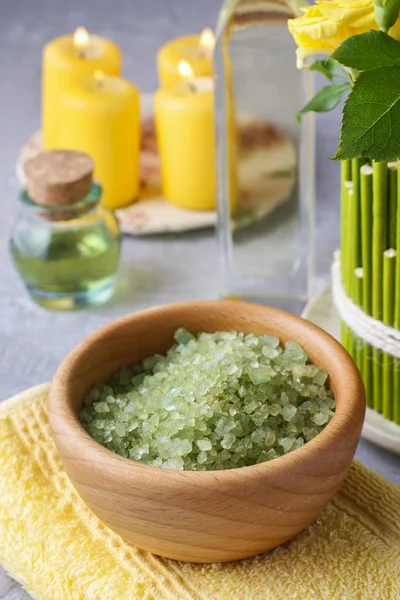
x,y
67,256
267,247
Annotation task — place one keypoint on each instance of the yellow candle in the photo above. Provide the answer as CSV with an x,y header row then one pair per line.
x,y
185,134
100,115
65,60
196,50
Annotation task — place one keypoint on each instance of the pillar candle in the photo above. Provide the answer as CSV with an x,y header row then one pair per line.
x,y
65,60
185,134
196,50
100,115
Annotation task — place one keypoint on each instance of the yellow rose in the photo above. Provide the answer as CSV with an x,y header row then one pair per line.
x,y
327,24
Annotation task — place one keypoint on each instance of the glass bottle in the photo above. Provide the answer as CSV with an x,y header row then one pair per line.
x,y
67,255
267,247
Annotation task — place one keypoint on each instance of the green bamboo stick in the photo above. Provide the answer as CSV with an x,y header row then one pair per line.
x,y
348,282
367,374
345,178
396,367
392,220
346,184
349,263
366,192
377,379
344,335
396,391
358,299
350,342
353,248
379,237
355,225
345,171
389,272
397,277
366,173
379,241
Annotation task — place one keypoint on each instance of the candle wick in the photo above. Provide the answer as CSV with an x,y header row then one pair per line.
x,y
81,53
192,87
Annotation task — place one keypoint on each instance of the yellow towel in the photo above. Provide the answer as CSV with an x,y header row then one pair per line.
x,y
52,544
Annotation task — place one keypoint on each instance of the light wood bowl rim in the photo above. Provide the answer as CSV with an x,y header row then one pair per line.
x,y
352,406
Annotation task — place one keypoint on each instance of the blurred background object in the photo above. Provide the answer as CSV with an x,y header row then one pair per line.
x,y
272,261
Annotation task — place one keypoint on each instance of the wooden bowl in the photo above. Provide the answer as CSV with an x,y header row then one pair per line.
x,y
215,515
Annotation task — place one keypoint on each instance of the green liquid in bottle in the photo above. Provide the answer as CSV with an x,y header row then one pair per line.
x,y
70,265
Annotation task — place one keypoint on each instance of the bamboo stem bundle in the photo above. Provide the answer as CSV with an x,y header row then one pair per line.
x,y
370,271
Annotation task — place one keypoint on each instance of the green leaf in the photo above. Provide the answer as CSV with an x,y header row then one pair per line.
x,y
326,99
371,50
336,68
371,117
330,68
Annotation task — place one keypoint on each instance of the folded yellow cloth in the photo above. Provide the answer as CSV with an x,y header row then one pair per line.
x,y
52,544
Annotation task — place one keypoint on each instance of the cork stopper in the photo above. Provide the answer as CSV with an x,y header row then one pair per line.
x,y
57,178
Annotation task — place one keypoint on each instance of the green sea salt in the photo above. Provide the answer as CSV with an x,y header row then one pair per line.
x,y
216,401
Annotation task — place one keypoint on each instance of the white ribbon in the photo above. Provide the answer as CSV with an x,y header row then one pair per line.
x,y
374,332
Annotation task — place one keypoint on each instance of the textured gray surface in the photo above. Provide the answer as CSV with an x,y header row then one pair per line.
x,y
153,270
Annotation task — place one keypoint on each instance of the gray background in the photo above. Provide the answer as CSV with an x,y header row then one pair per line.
x,y
153,270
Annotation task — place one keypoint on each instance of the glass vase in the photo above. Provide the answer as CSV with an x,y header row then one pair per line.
x,y
266,246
